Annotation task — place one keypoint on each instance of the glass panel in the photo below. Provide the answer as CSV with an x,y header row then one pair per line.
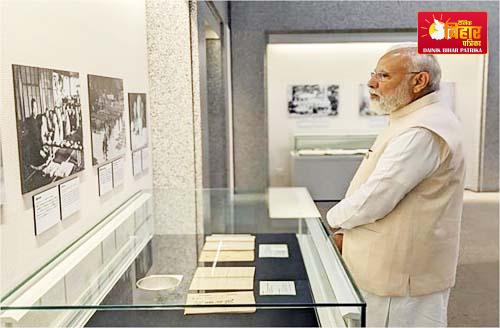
x,y
333,141
163,232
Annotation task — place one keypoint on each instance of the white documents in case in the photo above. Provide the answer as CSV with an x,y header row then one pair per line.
x,y
223,278
227,256
246,298
273,250
229,245
267,288
230,237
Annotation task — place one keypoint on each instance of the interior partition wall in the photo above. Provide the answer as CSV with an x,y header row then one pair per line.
x,y
216,116
346,60
253,21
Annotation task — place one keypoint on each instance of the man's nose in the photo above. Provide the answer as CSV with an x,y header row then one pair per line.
x,y
372,82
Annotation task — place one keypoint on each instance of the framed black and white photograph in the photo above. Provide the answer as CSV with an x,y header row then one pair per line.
x,y
107,121
49,125
138,120
364,102
313,100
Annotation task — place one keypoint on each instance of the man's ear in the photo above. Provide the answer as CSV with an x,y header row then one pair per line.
x,y
421,81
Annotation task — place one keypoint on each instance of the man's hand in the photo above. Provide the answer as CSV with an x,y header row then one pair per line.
x,y
333,230
338,238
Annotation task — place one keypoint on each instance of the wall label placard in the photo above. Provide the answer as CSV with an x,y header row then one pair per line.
x,y
105,177
118,172
70,197
46,209
136,162
145,159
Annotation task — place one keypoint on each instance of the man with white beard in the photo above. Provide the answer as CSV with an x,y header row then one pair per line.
x,y
398,226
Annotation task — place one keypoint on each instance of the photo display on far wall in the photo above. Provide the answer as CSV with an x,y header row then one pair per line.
x,y
49,125
313,100
138,120
107,121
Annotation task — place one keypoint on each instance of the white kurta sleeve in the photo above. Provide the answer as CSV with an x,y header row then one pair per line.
x,y
408,159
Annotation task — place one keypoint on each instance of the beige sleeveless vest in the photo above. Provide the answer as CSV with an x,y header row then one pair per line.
x,y
414,249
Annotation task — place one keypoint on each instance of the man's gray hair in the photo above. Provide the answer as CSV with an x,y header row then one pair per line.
x,y
420,63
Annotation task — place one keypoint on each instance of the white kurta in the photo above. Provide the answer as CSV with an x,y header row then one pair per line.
x,y
407,160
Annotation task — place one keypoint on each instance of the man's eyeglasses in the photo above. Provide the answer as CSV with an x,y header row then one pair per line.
x,y
384,76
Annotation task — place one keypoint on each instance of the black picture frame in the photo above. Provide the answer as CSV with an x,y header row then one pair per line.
x,y
138,121
107,119
49,125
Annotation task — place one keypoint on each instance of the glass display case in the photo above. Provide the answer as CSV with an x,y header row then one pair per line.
x,y
332,144
325,164
138,267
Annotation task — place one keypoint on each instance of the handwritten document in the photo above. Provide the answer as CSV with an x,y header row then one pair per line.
x,y
227,256
229,245
267,288
245,297
223,278
230,237
273,250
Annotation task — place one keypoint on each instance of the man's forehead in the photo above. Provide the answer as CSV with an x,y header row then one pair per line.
x,y
392,60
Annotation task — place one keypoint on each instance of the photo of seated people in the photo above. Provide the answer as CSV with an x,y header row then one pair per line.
x,y
49,125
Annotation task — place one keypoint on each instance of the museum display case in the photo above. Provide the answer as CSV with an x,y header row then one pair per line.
x,y
195,258
325,164
322,144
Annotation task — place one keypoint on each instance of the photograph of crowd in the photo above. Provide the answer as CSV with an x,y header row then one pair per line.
x,y
138,121
106,118
313,100
49,124
364,102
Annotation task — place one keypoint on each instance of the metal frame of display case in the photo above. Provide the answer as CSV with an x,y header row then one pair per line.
x,y
50,296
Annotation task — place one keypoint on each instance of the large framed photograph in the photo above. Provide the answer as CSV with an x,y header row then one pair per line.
x,y
313,100
364,102
49,125
107,121
138,120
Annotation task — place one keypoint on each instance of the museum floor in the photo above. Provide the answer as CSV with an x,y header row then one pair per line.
x,y
474,300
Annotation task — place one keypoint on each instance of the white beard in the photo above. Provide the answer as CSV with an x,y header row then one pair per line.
x,y
375,106
391,103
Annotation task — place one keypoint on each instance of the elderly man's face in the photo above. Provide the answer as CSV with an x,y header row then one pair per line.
x,y
390,87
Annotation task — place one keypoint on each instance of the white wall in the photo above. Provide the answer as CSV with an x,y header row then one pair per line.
x,y
348,65
89,37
